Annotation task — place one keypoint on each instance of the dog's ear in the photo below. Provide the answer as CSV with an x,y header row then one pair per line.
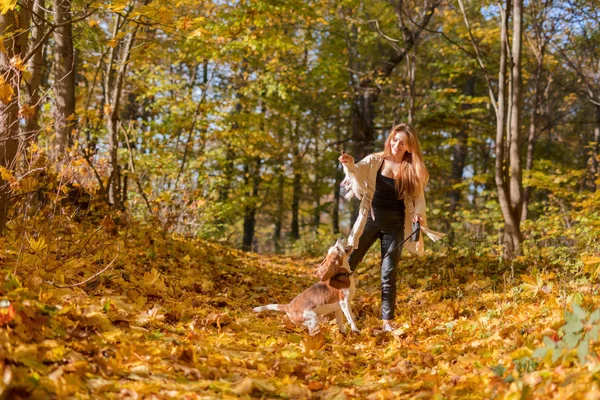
x,y
340,282
328,267
321,269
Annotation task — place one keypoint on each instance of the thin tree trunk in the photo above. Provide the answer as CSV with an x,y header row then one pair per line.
x,y
459,151
227,174
335,217
529,157
13,30
250,209
503,195
411,61
295,233
316,192
510,189
279,209
368,90
596,150
516,173
64,78
114,89
533,128
35,66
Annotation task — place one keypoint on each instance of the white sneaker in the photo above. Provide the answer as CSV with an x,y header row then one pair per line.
x,y
387,327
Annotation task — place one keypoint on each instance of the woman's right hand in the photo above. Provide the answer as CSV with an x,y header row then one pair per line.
x,y
346,158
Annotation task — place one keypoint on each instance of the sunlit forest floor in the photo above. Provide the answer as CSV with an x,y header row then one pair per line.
x,y
172,318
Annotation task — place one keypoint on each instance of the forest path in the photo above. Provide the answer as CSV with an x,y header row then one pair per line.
x,y
173,318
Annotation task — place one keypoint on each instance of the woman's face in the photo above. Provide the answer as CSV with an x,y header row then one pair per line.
x,y
399,143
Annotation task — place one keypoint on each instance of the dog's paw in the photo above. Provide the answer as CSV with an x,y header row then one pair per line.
x,y
356,331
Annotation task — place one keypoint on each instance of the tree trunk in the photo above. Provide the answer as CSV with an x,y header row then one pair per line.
x,y
459,151
227,173
64,78
316,187
295,233
411,65
114,86
538,99
12,25
510,189
367,92
595,150
35,66
252,176
516,173
511,236
279,209
335,216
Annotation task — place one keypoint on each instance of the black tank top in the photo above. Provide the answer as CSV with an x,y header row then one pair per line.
x,y
385,197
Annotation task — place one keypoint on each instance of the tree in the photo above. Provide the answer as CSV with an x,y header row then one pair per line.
x,y
114,78
64,77
507,106
13,30
578,47
35,68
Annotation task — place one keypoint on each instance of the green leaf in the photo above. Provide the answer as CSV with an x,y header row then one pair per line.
x,y
573,327
570,317
571,340
556,355
499,370
579,312
540,353
594,317
582,351
594,332
549,342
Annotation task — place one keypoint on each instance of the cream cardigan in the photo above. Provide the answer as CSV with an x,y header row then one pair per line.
x,y
360,183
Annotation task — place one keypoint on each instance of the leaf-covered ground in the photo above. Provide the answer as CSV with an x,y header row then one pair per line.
x,y
172,318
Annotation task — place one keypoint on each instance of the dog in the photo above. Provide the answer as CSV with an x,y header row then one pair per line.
x,y
334,292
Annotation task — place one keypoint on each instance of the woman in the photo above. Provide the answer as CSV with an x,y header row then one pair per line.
x,y
390,186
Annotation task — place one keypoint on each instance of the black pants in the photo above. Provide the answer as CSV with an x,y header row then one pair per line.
x,y
388,227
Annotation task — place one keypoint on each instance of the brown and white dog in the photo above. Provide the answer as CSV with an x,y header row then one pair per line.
x,y
334,292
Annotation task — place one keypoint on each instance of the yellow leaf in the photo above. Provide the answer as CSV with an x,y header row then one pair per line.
x,y
590,260
17,62
151,277
7,175
7,5
26,111
37,245
243,387
313,342
6,91
165,15
29,184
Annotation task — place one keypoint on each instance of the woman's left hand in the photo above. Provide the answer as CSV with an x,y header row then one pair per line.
x,y
418,218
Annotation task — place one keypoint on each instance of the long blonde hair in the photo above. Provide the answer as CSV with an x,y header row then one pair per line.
x,y
413,173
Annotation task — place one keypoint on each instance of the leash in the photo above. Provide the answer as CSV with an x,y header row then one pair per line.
x,y
414,236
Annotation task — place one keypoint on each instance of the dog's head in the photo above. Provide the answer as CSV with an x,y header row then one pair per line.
x,y
335,261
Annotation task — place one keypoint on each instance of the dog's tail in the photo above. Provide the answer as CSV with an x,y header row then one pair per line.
x,y
272,307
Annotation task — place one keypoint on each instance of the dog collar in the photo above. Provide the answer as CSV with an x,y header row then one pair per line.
x,y
344,273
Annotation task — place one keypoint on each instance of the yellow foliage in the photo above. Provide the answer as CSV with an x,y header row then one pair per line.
x,y
7,5
6,91
26,111
181,309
